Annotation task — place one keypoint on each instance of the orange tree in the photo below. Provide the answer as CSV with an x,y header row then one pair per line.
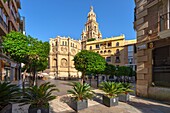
x,y
88,61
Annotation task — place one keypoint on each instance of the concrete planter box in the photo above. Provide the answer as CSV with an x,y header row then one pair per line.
x,y
7,109
35,110
78,105
110,101
124,97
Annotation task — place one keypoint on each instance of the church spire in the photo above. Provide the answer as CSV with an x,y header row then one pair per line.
x,y
91,8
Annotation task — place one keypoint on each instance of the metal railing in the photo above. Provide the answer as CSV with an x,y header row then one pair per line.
x,y
164,23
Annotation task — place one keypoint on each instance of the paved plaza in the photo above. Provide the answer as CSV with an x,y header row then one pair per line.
x,y
136,105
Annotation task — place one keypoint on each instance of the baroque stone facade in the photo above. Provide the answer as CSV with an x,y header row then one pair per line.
x,y
62,52
91,29
152,24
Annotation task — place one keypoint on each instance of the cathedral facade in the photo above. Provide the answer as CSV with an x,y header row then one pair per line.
x,y
62,52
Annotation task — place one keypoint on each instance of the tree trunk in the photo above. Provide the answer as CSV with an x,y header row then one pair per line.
x,y
34,77
97,80
83,78
23,80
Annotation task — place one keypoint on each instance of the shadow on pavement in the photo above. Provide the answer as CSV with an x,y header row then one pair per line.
x,y
150,107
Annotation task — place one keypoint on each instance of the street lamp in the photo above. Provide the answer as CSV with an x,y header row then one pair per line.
x,y
56,76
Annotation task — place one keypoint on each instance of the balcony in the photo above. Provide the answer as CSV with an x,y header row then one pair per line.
x,y
18,3
164,26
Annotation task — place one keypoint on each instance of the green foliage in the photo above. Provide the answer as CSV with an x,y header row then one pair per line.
x,y
110,69
81,92
27,50
16,44
39,96
8,93
111,89
127,87
123,71
88,61
91,39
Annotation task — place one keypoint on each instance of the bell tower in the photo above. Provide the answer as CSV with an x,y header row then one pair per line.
x,y
91,29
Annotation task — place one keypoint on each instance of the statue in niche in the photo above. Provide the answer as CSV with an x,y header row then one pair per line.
x,y
63,62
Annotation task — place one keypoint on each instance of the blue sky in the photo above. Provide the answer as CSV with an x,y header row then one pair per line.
x,y
50,18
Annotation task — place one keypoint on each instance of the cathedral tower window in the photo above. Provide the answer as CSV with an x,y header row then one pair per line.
x,y
117,44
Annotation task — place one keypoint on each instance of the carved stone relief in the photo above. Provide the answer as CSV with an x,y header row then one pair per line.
x,y
63,62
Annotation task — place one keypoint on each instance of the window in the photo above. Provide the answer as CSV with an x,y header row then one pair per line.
x,y
95,28
161,66
109,51
109,44
101,52
5,18
97,46
117,44
117,60
97,51
130,48
108,59
65,43
104,51
56,43
71,44
90,47
62,43
117,51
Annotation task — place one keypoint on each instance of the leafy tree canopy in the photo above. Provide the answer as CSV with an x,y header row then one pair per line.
x,y
123,71
27,50
88,61
110,69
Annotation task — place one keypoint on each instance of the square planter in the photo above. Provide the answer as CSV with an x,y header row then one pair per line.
x,y
110,101
78,105
38,110
7,109
124,97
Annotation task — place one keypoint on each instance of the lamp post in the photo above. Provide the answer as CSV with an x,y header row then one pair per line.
x,y
56,76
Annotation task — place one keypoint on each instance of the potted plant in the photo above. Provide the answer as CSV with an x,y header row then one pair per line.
x,y
111,90
124,96
80,95
8,93
38,97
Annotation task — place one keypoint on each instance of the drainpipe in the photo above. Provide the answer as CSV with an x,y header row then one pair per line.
x,y
168,15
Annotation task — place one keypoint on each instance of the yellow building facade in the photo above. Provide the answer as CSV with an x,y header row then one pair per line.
x,y
114,50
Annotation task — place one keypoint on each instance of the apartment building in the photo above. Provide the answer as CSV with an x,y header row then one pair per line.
x,y
62,52
114,50
152,24
10,20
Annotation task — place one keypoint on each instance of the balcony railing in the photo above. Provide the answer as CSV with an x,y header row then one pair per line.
x,y
164,22
3,23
